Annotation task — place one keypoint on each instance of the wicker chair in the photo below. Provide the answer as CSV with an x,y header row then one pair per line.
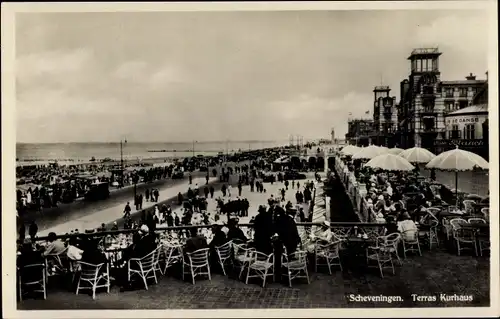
x,y
476,220
329,253
196,262
242,256
382,255
430,235
61,263
391,243
410,241
146,267
469,206
93,275
483,241
173,255
224,255
295,265
464,237
34,275
261,265
485,211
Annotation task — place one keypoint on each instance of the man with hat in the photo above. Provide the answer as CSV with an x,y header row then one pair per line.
x,y
287,231
219,237
323,235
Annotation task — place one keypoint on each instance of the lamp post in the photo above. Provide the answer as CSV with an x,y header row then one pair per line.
x,y
121,159
193,146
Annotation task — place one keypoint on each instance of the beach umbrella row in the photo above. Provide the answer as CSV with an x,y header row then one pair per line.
x,y
390,162
370,152
417,155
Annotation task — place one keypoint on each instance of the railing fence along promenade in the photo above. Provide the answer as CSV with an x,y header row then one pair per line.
x,y
355,190
346,227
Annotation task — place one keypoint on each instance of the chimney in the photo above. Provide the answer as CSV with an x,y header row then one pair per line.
x,y
471,77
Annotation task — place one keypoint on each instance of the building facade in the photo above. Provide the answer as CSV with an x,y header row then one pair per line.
x,y
468,127
359,132
425,101
384,117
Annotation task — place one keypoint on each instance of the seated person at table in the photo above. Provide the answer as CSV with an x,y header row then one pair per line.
x,y
235,233
380,218
143,244
219,238
195,242
92,254
380,204
389,189
54,247
322,236
29,256
405,224
392,226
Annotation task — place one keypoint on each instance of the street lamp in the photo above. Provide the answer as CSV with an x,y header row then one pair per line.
x,y
193,146
121,159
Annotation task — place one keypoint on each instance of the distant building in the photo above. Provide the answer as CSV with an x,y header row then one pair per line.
x,y
425,100
359,132
333,135
384,117
468,127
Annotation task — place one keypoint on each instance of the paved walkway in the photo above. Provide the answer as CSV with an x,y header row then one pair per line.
x,y
111,214
255,199
437,271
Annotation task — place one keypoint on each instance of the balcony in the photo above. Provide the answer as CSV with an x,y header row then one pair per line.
x,y
431,129
449,94
427,90
429,110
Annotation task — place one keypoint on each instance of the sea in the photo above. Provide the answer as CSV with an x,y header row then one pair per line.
x,y
132,150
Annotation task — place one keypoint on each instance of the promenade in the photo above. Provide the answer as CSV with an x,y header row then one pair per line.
x,y
110,214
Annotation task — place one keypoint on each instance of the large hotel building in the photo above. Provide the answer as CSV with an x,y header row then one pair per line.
x,y
431,113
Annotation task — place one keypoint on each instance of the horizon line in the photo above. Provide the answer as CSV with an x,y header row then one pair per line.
x,y
132,141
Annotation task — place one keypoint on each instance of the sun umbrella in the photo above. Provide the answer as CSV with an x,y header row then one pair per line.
x,y
370,152
350,150
457,160
395,151
417,155
390,162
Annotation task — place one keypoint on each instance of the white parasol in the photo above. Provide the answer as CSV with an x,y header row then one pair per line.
x,y
350,150
417,155
395,151
390,162
457,160
370,152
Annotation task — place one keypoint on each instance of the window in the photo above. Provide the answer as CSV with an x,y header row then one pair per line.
x,y
469,132
462,92
462,104
449,106
455,132
448,92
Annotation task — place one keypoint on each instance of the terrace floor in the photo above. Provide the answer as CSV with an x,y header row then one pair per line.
x,y
435,272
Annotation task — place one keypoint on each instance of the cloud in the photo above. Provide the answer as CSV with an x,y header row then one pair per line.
x,y
219,75
131,70
38,66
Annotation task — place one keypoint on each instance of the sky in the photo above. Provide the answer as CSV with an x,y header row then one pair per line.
x,y
212,76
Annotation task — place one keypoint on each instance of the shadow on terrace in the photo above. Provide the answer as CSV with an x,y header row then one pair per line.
x,y
335,281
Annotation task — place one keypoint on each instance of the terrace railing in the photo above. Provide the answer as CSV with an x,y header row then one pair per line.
x,y
247,228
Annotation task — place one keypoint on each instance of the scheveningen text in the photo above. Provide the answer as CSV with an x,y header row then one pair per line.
x,y
379,298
